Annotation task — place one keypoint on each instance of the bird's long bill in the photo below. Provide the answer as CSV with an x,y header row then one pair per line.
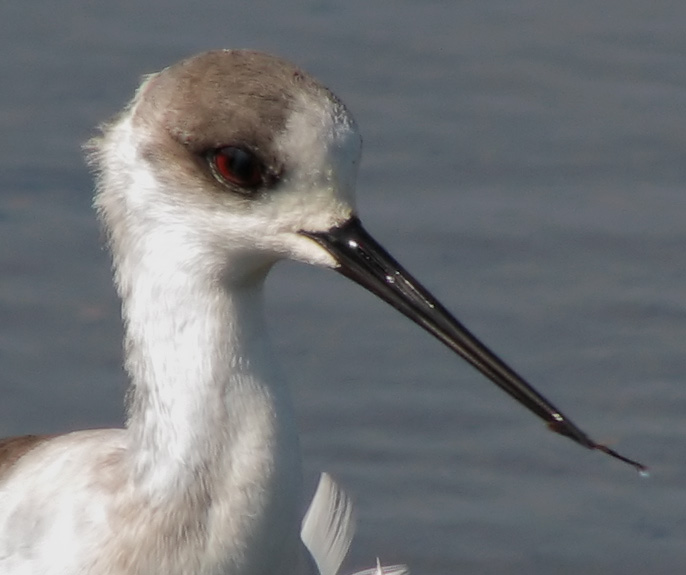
x,y
363,260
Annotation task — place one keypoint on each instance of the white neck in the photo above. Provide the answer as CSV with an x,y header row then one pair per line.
x,y
210,418
204,384
211,426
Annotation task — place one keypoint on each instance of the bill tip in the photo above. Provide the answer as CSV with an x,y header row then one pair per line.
x,y
642,469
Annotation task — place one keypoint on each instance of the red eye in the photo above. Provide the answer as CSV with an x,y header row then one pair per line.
x,y
237,166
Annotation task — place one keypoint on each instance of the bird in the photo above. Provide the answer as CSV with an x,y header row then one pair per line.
x,y
221,165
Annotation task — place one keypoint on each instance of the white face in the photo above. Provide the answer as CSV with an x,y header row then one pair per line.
x,y
322,147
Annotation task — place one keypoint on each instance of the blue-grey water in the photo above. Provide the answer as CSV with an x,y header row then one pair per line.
x,y
526,160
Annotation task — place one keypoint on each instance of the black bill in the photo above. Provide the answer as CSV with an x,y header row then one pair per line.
x,y
363,260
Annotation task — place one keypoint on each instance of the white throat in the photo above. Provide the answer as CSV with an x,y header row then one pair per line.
x,y
203,383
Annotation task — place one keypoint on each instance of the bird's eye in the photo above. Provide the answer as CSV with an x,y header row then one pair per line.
x,y
237,166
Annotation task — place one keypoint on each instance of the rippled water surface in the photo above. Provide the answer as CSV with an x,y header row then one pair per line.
x,y
526,160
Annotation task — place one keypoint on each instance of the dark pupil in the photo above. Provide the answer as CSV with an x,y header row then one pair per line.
x,y
240,163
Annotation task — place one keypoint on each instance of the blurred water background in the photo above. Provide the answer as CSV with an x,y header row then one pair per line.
x,y
525,160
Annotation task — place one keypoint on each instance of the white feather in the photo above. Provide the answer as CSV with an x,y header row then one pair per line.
x,y
328,526
328,529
